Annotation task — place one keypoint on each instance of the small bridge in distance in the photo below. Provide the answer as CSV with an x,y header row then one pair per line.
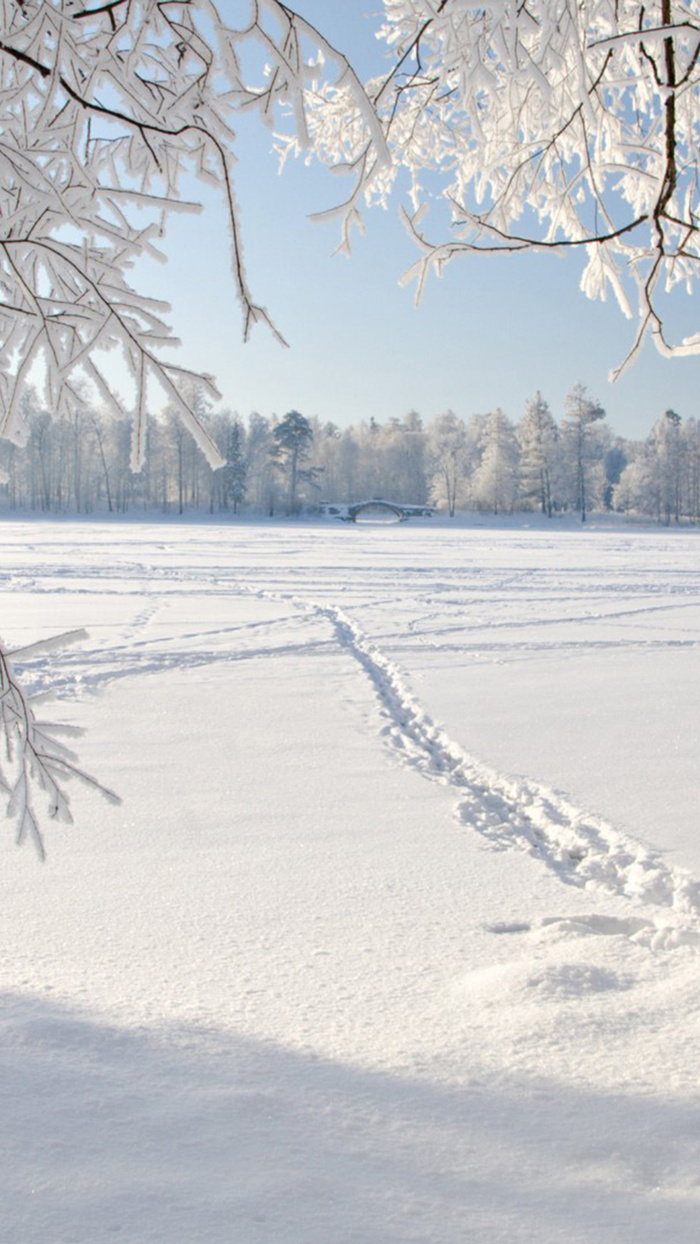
x,y
375,510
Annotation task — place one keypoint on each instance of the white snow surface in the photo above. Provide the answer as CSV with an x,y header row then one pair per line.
x,y
396,935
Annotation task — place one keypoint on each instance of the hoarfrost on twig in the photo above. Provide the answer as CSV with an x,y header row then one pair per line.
x,y
34,762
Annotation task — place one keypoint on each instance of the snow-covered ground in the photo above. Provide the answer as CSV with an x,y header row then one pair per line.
x,y
396,935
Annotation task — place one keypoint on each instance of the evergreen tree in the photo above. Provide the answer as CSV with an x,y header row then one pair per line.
x,y
293,438
236,467
614,463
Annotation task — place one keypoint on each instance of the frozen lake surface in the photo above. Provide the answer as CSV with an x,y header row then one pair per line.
x,y
396,934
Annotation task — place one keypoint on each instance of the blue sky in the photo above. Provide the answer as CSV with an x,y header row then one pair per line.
x,y
490,333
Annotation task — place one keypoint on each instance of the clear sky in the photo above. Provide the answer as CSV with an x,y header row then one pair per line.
x,y
490,333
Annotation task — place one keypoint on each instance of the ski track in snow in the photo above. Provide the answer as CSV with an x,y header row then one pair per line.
x,y
584,850
41,677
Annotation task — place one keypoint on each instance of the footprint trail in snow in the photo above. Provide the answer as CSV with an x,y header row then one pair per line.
x,y
583,849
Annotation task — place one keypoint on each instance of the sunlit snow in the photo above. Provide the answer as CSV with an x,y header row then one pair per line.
x,y
396,935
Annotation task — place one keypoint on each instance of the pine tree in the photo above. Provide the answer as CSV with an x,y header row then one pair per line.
x,y
236,468
293,438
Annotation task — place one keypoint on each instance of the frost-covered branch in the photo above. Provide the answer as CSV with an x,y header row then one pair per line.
x,y
111,113
107,110
547,125
34,761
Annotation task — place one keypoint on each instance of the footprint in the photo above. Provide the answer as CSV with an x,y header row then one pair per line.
x,y
655,935
582,849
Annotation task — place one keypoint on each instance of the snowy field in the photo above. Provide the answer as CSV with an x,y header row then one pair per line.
x,y
395,938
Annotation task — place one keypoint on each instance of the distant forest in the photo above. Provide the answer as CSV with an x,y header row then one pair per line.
x,y
291,464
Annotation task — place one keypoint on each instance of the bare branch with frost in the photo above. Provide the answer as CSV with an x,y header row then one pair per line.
x,y
107,109
550,124
556,124
110,112
34,761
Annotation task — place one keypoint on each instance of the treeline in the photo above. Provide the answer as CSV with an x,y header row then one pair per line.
x,y
289,464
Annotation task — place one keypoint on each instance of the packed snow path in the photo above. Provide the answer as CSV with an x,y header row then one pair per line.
x,y
584,850
282,993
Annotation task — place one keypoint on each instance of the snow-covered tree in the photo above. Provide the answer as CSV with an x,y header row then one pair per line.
x,y
448,456
348,465
614,462
292,440
583,450
538,436
400,448
653,483
635,491
258,455
667,445
102,430
326,454
369,475
412,447
661,480
42,459
691,461
495,481
185,456
235,468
